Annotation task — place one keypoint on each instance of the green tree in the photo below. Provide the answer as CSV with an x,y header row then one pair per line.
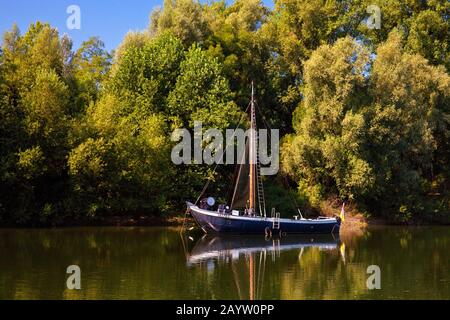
x,y
429,36
83,132
326,153
369,133
408,124
181,17
37,117
122,160
232,34
123,172
144,75
202,93
91,64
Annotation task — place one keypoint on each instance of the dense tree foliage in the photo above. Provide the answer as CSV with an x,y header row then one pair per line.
x,y
364,113
370,136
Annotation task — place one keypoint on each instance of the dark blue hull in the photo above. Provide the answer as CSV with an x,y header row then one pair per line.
x,y
212,222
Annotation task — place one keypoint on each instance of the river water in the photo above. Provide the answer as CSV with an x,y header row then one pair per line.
x,y
159,263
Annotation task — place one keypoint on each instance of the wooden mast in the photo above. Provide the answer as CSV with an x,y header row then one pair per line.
x,y
252,160
252,156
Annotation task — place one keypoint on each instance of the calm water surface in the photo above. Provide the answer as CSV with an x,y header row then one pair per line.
x,y
157,263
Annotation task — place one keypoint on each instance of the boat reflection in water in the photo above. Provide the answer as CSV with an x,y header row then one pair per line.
x,y
226,247
246,256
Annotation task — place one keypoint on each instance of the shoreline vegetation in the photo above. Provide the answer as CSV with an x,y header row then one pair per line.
x,y
355,223
363,113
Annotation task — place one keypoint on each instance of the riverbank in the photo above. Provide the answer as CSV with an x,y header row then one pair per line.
x,y
354,223
108,221
131,221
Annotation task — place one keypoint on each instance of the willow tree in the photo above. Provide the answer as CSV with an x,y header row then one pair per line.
x,y
90,66
298,27
45,87
183,18
36,96
325,155
408,130
369,131
429,35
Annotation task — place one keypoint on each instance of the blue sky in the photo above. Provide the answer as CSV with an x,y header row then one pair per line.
x,y
108,19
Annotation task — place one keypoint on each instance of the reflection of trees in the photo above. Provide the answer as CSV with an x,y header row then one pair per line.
x,y
127,263
322,275
149,263
414,264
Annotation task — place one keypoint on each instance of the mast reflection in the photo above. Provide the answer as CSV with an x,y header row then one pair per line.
x,y
249,254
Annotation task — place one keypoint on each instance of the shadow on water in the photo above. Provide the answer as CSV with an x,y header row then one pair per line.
x,y
155,263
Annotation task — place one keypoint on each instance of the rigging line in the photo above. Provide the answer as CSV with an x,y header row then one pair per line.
x,y
223,152
184,220
262,116
234,181
236,281
186,253
259,276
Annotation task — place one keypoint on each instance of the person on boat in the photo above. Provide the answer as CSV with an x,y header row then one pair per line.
x,y
247,210
204,204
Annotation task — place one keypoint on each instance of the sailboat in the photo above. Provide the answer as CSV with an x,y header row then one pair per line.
x,y
246,213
